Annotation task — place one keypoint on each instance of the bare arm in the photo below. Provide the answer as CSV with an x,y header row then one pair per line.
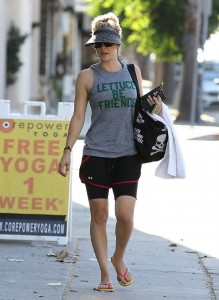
x,y
139,78
82,87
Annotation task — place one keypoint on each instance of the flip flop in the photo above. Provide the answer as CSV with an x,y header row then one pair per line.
x,y
123,275
105,287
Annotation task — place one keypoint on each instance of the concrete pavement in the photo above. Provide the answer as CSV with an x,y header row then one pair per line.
x,y
162,270
173,252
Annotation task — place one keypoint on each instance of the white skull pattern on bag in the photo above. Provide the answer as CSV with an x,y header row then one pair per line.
x,y
160,145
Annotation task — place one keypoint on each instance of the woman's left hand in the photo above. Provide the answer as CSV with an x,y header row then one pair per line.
x,y
158,101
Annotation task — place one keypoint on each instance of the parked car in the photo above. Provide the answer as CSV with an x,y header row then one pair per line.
x,y
210,83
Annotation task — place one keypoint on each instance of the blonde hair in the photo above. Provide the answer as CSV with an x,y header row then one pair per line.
x,y
109,20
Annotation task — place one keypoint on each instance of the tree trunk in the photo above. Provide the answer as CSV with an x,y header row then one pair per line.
x,y
158,73
188,98
145,65
169,81
164,72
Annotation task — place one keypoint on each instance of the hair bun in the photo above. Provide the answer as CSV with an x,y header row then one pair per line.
x,y
109,20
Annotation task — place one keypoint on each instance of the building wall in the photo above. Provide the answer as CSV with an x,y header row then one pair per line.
x,y
34,82
22,13
35,50
3,36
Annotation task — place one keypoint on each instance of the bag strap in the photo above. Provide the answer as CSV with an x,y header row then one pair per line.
x,y
131,69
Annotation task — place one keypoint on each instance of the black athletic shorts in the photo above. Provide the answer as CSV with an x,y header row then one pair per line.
x,y
100,174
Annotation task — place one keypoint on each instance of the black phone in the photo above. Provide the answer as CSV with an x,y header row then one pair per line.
x,y
155,92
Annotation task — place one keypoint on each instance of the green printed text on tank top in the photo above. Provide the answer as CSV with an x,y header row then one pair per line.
x,y
112,86
118,94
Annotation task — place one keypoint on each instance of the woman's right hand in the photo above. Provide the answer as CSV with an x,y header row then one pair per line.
x,y
64,164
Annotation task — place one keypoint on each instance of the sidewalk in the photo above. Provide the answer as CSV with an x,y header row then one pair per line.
x,y
162,269
173,252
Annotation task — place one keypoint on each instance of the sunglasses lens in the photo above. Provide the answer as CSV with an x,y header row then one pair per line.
x,y
99,45
108,44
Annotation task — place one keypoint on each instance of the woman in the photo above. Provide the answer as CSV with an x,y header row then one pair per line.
x,y
109,156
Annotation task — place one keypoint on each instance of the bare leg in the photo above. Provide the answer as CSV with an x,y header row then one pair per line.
x,y
124,211
99,216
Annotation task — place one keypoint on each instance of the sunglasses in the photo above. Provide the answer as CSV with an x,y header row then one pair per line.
x,y
99,45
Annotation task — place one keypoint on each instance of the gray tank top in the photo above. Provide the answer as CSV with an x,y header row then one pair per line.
x,y
112,100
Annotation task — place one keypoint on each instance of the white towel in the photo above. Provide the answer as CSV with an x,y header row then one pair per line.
x,y
172,165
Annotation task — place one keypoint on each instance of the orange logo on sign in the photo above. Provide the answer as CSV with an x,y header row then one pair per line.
x,y
6,125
